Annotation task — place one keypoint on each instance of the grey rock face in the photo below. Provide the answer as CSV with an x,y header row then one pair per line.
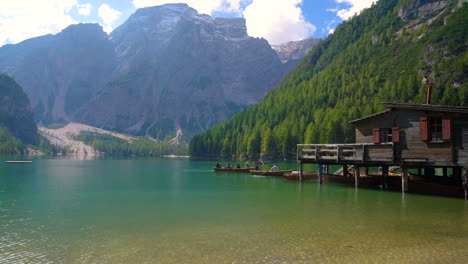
x,y
178,69
422,9
59,73
166,68
295,50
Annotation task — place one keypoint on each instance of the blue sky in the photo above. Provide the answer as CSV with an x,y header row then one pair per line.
x,y
276,20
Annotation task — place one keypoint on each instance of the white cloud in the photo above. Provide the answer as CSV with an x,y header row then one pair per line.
x,y
277,21
108,14
84,9
23,19
356,7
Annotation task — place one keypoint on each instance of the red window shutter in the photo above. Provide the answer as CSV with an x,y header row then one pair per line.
x,y
424,128
376,135
395,134
446,129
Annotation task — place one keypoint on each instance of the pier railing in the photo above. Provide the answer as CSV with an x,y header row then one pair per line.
x,y
340,153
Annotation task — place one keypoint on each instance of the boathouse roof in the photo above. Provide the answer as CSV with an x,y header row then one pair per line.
x,y
421,107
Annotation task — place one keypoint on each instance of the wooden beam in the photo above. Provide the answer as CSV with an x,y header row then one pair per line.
x,y
320,173
384,177
300,171
345,170
356,176
404,180
465,182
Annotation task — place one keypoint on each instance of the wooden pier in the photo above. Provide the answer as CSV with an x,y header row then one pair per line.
x,y
429,139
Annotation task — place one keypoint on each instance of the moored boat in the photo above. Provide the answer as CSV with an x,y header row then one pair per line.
x,y
19,161
294,176
270,173
233,169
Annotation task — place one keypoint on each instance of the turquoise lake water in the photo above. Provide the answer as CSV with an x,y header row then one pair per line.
x,y
180,211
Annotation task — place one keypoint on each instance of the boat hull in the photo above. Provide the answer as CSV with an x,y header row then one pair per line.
x,y
270,173
233,169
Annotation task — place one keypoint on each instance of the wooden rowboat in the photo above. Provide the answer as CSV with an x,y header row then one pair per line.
x,y
270,173
233,169
294,176
19,161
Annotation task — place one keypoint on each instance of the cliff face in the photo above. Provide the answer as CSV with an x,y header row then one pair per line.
x,y
166,69
15,112
295,50
178,69
59,73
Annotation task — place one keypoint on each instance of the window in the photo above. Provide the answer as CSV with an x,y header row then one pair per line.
x,y
435,129
386,135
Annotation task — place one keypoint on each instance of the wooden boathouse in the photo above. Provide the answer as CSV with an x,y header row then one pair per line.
x,y
429,139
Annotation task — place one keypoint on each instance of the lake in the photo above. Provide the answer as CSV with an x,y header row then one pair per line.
x,y
180,211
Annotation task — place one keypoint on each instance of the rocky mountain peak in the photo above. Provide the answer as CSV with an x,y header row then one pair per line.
x,y
294,50
90,29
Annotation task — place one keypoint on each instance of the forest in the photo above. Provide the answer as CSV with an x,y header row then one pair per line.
x,y
373,58
140,146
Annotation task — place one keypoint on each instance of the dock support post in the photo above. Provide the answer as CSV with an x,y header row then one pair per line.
x,y
465,182
300,171
384,177
356,176
345,170
404,180
320,173
367,171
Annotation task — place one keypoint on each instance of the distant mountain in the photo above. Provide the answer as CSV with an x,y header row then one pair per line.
x,y
59,73
295,50
166,71
178,69
386,54
15,113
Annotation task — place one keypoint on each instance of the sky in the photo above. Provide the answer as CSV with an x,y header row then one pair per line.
x,y
278,21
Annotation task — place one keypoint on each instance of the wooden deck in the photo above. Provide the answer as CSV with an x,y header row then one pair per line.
x,y
347,153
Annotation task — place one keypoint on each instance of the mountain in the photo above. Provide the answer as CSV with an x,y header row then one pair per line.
x,y
167,71
60,72
15,113
386,54
179,70
295,50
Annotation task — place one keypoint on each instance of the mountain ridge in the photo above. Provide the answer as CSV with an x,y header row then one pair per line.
x,y
148,74
372,58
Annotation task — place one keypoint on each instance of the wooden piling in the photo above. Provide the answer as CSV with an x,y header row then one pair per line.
x,y
404,180
384,177
300,171
356,176
320,173
465,182
345,170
